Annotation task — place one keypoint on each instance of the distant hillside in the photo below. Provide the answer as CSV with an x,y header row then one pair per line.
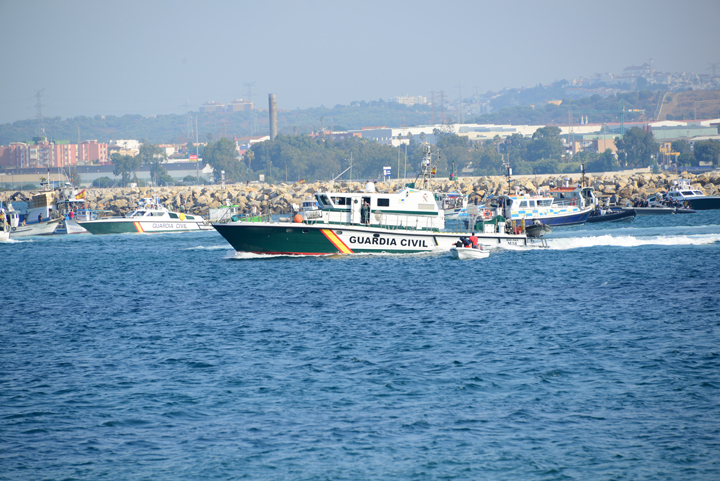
x,y
701,104
596,108
174,128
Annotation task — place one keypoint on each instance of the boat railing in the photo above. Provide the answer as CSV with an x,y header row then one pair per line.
x,y
402,222
567,203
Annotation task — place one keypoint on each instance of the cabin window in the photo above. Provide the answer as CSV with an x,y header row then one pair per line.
x,y
324,199
339,200
156,214
531,203
697,192
687,192
544,202
523,204
173,215
383,202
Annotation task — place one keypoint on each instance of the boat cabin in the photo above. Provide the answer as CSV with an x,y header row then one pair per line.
x,y
408,209
683,191
451,201
574,196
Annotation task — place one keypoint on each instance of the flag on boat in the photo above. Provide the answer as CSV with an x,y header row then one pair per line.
x,y
80,195
434,171
301,181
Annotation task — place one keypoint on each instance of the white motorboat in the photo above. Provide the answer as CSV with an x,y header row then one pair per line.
x,y
45,227
148,218
468,253
683,194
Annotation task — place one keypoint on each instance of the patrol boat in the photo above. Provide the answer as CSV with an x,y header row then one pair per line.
x,y
148,218
407,221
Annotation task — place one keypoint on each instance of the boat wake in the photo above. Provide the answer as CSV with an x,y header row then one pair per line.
x,y
631,241
17,241
209,248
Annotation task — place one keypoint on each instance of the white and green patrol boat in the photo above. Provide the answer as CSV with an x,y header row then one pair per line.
x,y
148,218
407,221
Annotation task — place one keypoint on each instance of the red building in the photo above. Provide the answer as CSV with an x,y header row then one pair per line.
x,y
42,153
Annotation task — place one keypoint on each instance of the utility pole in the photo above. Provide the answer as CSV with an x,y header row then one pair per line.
x,y
432,117
442,106
571,132
41,126
405,174
197,157
460,112
187,117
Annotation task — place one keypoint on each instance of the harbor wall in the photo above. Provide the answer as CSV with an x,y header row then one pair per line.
x,y
279,198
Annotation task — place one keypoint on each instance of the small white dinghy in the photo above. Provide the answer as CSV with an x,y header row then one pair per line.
x,y
467,253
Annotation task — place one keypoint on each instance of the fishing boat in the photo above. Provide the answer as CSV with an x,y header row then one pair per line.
x,y
149,217
453,204
465,254
21,226
407,221
70,204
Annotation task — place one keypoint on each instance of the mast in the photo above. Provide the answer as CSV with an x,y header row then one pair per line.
x,y
422,181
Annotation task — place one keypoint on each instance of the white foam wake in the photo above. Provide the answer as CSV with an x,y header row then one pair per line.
x,y
210,248
631,241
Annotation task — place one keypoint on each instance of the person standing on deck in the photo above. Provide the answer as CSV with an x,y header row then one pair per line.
x,y
365,213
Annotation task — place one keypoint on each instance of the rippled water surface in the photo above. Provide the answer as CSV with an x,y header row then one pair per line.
x,y
169,357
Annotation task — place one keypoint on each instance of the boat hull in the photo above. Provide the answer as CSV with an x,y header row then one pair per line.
x,y
464,254
622,216
330,239
69,226
555,220
651,210
130,226
39,228
703,203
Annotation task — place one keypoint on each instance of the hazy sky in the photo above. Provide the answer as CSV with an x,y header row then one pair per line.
x,y
147,57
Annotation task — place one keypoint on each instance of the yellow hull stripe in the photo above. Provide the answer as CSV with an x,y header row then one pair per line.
x,y
339,244
138,227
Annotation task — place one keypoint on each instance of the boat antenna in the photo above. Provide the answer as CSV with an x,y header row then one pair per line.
x,y
582,168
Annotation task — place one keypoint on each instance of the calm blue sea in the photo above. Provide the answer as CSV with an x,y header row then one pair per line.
x,y
167,357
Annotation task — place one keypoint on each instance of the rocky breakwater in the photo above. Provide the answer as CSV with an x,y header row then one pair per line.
x,y
280,198
616,186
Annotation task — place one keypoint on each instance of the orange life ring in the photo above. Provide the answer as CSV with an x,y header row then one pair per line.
x,y
486,213
572,202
